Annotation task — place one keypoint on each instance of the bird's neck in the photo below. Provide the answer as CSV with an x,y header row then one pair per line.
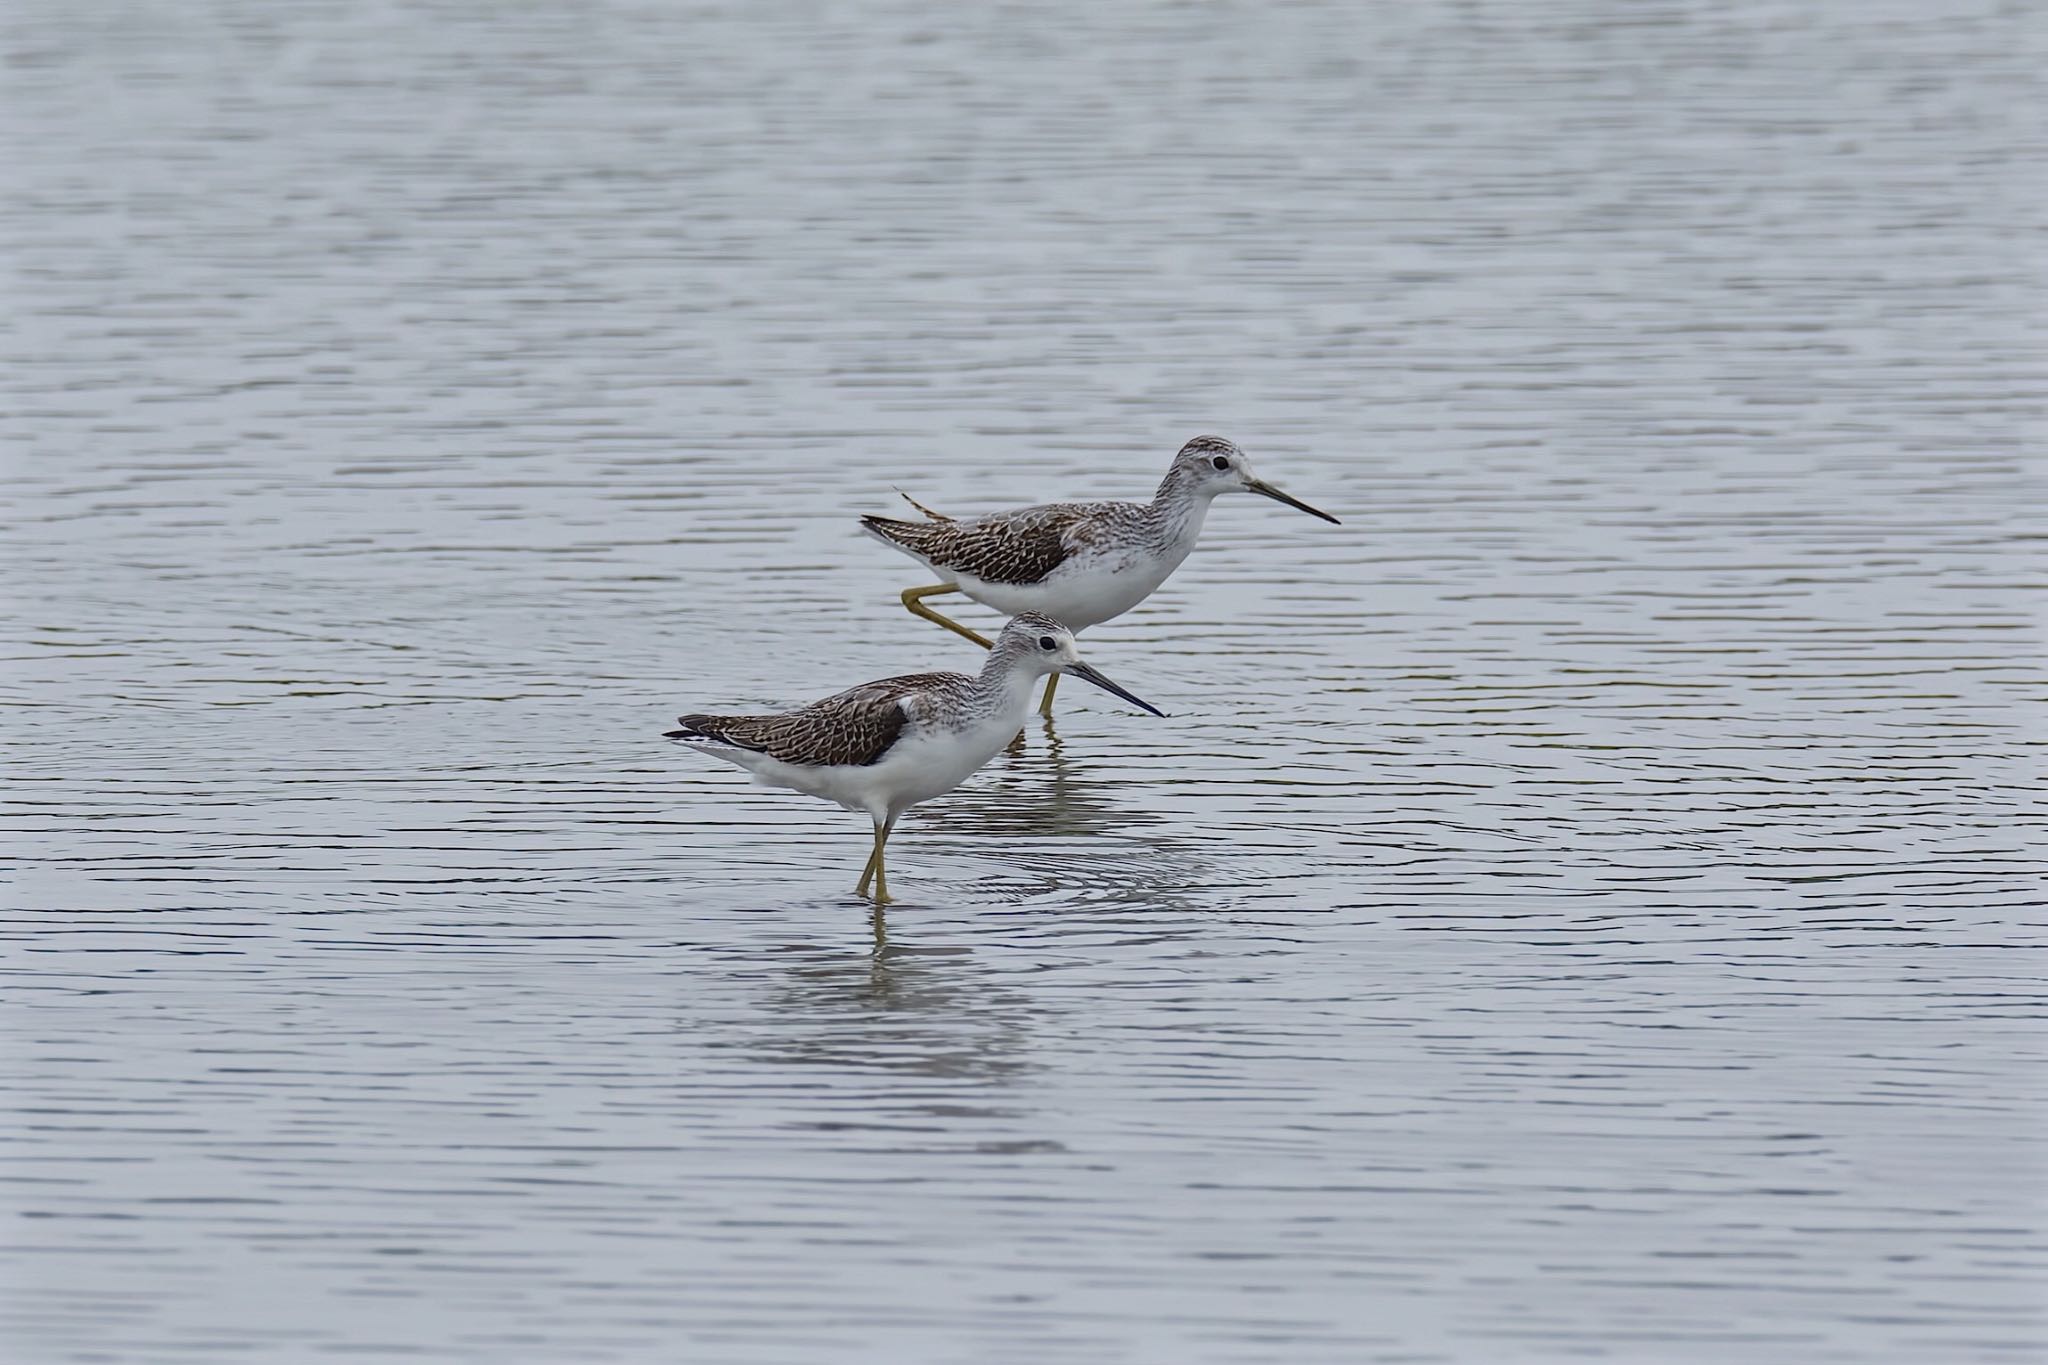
x,y
1005,683
1177,510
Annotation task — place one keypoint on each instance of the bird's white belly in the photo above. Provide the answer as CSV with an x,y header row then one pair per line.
x,y
1079,594
916,768
922,766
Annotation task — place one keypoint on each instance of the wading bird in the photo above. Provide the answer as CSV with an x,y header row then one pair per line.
x,y
1081,563
882,747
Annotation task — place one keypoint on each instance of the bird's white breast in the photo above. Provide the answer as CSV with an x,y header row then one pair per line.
x,y
1086,590
932,762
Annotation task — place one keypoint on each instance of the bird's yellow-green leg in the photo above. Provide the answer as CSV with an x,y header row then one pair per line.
x,y
882,872
913,601
874,871
1045,702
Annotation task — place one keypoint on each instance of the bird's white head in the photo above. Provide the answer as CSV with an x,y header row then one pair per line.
x,y
1040,644
1037,644
1209,465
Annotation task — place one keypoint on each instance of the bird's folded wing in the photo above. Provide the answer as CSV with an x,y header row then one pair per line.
x,y
1013,547
852,729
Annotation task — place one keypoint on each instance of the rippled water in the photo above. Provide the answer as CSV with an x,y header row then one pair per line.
x,y
1589,904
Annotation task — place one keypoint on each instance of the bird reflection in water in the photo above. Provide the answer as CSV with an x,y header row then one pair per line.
x,y
1109,849
898,1009
1038,790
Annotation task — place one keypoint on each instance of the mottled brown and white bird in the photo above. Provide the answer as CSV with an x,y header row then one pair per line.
x,y
882,747
1081,563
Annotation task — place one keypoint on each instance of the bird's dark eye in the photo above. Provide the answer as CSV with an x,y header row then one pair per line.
x,y
1221,462
1047,642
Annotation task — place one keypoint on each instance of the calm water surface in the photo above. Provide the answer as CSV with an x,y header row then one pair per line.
x,y
1590,905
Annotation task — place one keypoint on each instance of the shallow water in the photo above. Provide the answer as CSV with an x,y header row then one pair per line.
x,y
1588,905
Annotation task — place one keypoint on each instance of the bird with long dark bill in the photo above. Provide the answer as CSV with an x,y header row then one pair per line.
x,y
884,746
1080,563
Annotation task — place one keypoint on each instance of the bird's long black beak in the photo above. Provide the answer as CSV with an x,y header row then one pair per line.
x,y
1081,670
1265,489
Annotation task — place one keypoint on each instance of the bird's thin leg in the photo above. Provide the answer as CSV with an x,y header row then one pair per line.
x,y
867,872
1045,702
913,602
874,871
881,872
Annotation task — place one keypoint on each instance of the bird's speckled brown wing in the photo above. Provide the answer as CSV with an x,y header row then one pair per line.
x,y
852,729
1007,547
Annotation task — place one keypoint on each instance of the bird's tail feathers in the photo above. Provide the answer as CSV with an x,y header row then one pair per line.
x,y
904,535
935,516
706,729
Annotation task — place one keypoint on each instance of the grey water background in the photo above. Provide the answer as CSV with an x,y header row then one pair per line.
x,y
1590,905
